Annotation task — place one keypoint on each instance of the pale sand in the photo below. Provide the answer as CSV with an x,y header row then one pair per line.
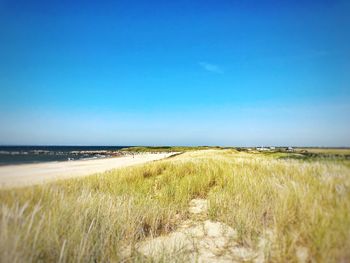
x,y
199,239
32,174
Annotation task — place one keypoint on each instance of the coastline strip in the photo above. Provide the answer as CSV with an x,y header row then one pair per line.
x,y
33,174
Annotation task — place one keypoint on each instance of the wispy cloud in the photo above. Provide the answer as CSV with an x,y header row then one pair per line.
x,y
211,67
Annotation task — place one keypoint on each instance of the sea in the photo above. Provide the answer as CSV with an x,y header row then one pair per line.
x,y
37,154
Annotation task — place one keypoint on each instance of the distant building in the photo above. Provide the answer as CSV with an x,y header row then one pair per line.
x,y
272,147
290,149
262,149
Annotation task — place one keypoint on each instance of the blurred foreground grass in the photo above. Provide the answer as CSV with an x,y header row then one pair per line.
x,y
91,219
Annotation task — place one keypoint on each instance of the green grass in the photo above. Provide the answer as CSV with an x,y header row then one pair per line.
x,y
302,203
168,148
336,151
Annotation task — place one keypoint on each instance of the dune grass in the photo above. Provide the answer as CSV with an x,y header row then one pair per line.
x,y
337,151
93,219
169,148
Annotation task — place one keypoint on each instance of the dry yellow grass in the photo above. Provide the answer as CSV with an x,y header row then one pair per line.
x,y
297,204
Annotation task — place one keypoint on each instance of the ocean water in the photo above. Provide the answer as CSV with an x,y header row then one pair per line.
x,y
37,154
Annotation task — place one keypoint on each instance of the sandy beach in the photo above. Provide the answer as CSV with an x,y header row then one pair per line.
x,y
31,174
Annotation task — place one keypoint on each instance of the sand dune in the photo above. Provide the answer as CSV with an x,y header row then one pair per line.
x,y
31,174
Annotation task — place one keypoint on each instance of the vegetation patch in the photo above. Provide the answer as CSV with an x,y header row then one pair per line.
x,y
303,206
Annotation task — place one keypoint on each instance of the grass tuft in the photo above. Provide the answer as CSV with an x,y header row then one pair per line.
x,y
296,203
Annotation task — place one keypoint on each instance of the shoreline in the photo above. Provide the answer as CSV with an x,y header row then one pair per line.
x,y
63,161
20,175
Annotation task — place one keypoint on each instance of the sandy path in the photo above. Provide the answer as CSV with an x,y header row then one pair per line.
x,y
198,239
31,174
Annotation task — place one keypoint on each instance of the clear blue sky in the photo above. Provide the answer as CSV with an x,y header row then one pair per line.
x,y
175,72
